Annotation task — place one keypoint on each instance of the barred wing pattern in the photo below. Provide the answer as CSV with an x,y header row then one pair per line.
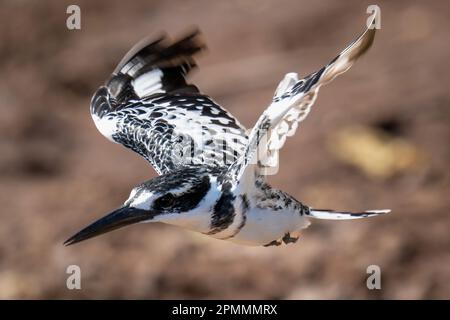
x,y
147,106
291,104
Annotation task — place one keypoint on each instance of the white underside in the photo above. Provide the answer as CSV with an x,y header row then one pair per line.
x,y
105,126
264,226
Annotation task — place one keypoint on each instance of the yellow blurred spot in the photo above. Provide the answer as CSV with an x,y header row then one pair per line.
x,y
374,152
16,286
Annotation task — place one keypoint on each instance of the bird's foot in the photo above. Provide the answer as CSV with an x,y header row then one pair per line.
x,y
290,237
273,243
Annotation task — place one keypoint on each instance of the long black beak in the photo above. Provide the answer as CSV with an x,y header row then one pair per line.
x,y
117,219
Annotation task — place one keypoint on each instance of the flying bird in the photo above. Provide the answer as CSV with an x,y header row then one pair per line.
x,y
212,171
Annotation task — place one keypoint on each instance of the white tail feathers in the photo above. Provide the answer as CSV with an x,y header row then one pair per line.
x,y
342,215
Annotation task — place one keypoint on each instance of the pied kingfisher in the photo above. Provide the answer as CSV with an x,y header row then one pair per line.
x,y
211,172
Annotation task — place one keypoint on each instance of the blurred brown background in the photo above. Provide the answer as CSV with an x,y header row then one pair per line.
x,y
377,137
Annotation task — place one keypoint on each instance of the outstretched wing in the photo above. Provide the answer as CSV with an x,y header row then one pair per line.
x,y
147,106
291,104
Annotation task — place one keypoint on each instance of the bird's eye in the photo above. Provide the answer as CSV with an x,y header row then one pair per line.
x,y
165,201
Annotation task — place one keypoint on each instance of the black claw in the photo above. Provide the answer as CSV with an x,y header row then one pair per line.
x,y
288,239
273,243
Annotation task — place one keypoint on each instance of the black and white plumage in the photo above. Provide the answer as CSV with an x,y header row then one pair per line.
x,y
148,107
212,174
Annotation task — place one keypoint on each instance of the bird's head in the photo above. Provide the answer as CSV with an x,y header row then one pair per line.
x,y
174,198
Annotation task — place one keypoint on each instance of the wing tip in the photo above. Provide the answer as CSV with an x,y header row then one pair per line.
x,y
363,42
155,65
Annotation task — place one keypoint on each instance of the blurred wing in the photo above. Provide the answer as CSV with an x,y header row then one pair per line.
x,y
291,104
147,106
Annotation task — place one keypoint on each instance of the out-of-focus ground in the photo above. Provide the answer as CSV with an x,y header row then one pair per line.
x,y
377,137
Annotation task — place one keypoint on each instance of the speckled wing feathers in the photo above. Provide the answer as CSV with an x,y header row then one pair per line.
x,y
147,106
291,104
